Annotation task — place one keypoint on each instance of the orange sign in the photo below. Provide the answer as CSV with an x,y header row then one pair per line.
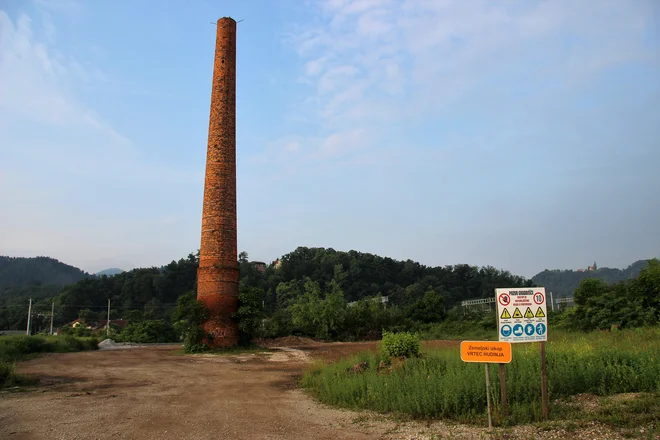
x,y
486,351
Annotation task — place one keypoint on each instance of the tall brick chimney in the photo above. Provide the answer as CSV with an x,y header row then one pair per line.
x,y
217,276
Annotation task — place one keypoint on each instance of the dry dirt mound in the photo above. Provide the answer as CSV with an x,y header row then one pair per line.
x,y
288,341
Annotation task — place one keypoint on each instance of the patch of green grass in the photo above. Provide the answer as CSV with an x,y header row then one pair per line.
x,y
440,385
18,348
634,415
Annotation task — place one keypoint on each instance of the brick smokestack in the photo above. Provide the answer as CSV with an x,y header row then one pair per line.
x,y
217,276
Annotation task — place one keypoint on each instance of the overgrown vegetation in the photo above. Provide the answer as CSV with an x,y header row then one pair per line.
x,y
188,318
17,348
439,385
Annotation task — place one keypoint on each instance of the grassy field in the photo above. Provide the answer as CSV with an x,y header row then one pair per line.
x,y
439,385
17,348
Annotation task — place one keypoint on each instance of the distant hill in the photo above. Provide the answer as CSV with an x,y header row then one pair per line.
x,y
563,282
37,271
109,272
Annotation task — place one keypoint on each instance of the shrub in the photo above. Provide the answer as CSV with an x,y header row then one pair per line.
x,y
188,318
150,331
401,344
193,340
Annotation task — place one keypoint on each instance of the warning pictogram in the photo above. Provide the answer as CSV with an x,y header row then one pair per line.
x,y
505,299
529,313
539,313
516,313
505,314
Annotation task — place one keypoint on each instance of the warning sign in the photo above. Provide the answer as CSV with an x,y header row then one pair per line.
x,y
517,320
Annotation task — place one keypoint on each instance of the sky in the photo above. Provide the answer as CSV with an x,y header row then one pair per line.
x,y
520,134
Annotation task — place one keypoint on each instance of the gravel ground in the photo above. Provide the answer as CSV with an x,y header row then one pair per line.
x,y
158,393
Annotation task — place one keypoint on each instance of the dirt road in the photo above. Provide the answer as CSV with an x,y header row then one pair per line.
x,y
159,393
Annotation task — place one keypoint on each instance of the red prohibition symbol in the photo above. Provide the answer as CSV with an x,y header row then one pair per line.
x,y
504,299
539,298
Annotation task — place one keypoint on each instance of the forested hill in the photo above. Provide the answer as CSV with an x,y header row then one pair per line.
x,y
564,282
154,291
37,271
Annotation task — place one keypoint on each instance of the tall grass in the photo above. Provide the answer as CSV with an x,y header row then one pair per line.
x,y
440,385
17,348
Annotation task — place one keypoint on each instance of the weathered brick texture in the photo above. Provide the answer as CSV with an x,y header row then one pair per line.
x,y
217,276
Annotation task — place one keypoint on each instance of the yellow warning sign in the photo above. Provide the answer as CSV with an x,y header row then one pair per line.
x,y
516,313
529,313
539,313
505,314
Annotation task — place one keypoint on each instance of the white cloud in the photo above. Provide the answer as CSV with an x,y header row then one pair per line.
x,y
336,143
372,62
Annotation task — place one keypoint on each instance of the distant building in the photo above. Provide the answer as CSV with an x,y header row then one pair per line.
x,y
259,265
95,325
589,268
277,263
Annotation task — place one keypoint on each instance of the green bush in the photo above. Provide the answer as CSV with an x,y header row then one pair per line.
x,y
193,340
146,332
401,344
79,331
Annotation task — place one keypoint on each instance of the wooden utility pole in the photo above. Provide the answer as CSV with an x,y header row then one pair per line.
x,y
503,390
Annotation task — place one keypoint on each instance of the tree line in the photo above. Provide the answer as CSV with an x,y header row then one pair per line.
x,y
632,303
321,293
307,293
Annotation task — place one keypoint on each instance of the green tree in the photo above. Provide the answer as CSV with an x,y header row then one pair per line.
x,y
333,312
188,318
429,309
250,312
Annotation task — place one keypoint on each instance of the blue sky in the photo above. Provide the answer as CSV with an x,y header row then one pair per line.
x,y
521,134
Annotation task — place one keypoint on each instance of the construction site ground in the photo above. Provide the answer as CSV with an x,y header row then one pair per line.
x,y
159,392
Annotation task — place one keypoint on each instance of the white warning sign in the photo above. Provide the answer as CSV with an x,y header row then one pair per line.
x,y
522,314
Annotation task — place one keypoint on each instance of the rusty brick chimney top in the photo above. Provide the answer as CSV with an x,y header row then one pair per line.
x,y
217,276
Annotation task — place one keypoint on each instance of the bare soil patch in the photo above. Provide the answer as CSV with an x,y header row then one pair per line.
x,y
159,393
